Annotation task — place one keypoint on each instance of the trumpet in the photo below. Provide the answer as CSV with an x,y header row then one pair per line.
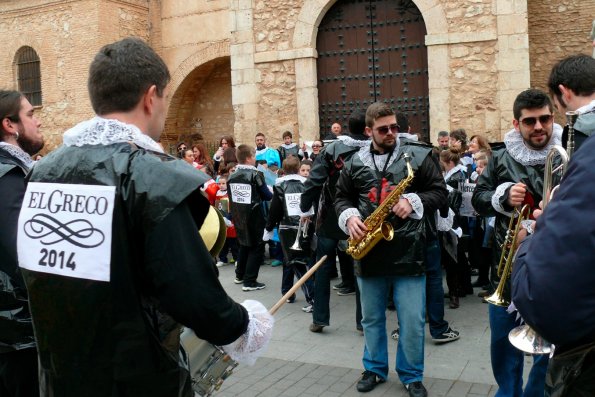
x,y
301,231
524,337
508,247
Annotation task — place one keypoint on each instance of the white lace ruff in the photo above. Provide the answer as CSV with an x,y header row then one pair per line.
x,y
444,224
368,159
100,131
19,153
416,204
291,145
450,173
248,347
245,167
525,156
345,215
291,177
349,141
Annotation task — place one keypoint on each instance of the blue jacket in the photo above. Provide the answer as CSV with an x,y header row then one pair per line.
x,y
553,280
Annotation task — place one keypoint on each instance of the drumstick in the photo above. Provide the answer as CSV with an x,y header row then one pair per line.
x,y
297,285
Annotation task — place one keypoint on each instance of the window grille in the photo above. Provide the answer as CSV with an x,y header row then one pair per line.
x,y
29,74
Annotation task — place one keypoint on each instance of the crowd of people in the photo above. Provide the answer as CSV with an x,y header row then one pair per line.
x,y
108,221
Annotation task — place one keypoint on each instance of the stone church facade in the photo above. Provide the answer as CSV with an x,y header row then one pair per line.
x,y
245,66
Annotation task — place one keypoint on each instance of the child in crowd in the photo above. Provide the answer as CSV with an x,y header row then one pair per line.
x,y
247,191
487,229
222,204
288,148
285,213
305,167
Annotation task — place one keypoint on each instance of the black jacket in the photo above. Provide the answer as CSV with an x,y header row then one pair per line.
x,y
321,184
490,189
363,187
16,329
247,192
285,151
583,129
121,337
284,207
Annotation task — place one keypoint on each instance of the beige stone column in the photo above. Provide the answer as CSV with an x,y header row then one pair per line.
x,y
244,76
514,72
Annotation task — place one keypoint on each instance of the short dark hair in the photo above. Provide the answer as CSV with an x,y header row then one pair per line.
x,y
357,123
530,99
260,134
442,134
306,162
376,111
449,155
10,106
287,133
120,74
576,72
244,152
403,122
291,165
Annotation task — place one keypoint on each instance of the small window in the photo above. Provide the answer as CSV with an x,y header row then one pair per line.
x,y
29,75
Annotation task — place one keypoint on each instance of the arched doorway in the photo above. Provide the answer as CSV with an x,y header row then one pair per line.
x,y
372,50
200,110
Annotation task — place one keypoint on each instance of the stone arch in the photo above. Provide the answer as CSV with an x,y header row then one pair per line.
x,y
304,36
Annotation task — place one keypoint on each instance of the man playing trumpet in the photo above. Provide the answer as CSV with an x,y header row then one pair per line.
x,y
513,177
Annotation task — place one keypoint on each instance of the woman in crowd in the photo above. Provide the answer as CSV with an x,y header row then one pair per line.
x,y
202,161
316,147
225,142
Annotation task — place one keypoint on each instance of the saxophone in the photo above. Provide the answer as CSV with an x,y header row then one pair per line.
x,y
378,227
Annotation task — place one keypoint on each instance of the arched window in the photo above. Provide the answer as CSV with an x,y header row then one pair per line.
x,y
29,74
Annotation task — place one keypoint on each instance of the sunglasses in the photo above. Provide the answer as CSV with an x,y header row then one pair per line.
x,y
544,119
394,128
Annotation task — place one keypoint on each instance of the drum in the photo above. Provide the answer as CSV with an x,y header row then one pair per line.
x,y
209,364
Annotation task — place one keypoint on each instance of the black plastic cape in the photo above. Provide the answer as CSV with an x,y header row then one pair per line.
x,y
121,338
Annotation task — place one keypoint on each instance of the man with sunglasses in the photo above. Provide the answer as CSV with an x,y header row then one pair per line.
x,y
572,85
513,177
366,180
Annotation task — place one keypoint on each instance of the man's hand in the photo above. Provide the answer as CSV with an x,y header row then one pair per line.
x,y
403,208
219,153
356,227
516,194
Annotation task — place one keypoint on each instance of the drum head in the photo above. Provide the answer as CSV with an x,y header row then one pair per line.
x,y
213,231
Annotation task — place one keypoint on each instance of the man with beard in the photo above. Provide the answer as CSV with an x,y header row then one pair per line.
x,y
20,138
366,179
572,85
443,140
553,277
109,247
513,177
264,153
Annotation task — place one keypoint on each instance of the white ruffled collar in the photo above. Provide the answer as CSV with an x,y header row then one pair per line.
x,y
453,170
18,153
245,167
290,146
522,154
101,131
349,141
290,177
409,136
377,161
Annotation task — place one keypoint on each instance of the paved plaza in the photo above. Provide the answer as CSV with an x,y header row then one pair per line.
x,y
301,363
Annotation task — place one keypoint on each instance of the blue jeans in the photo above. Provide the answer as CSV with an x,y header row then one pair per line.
x,y
507,360
434,290
409,295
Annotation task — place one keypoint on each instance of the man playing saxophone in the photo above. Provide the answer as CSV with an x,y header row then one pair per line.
x,y
365,185
513,177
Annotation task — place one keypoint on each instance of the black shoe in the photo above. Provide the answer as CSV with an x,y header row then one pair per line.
x,y
447,336
316,328
368,381
346,291
339,286
416,389
253,286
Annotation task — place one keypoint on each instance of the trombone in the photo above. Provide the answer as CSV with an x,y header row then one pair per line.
x,y
301,230
524,337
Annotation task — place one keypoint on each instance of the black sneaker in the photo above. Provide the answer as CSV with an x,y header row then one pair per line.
x,y
447,336
253,286
346,291
339,286
238,281
416,389
368,381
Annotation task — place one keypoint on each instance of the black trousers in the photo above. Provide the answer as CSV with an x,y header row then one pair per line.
x,y
249,260
18,374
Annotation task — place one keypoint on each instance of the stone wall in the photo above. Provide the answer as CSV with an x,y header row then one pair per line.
x,y
557,28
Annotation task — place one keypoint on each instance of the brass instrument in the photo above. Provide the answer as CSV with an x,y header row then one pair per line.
x,y
378,227
508,247
303,231
524,337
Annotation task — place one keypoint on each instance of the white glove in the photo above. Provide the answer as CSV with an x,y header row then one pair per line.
x,y
228,223
248,347
266,236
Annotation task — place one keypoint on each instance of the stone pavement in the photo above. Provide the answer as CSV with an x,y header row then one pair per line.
x,y
301,363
